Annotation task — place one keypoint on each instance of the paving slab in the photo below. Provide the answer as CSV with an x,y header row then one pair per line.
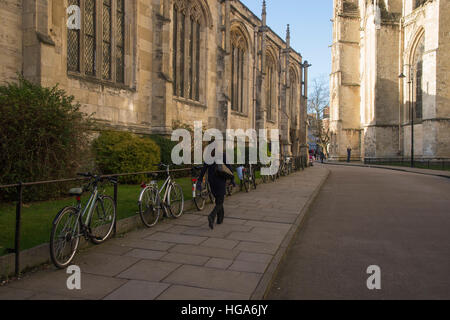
x,y
93,287
220,243
222,280
246,266
146,254
185,259
144,244
191,293
103,264
257,247
138,290
15,294
217,263
176,238
205,251
254,257
148,270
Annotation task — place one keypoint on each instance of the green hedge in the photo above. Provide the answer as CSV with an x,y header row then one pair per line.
x,y
43,136
124,152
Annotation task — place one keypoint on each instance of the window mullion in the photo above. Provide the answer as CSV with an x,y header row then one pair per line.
x,y
197,61
113,40
187,35
181,54
99,38
175,50
82,38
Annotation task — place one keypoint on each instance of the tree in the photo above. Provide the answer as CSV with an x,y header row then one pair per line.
x,y
318,104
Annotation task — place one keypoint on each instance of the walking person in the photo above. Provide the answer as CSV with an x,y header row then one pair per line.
x,y
349,154
218,189
322,156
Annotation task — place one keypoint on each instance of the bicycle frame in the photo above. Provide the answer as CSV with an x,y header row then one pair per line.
x,y
165,187
87,210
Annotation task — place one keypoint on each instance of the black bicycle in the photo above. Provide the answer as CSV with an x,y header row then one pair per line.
x,y
201,196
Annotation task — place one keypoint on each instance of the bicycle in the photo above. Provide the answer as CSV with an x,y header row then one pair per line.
x,y
200,197
252,176
68,225
152,200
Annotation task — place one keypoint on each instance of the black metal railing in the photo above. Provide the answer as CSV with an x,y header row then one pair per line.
x,y
300,163
19,202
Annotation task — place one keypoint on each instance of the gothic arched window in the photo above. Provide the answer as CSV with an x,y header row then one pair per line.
x,y
238,72
187,26
270,87
417,77
103,59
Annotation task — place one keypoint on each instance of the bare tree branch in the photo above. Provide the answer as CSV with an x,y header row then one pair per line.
x,y
317,103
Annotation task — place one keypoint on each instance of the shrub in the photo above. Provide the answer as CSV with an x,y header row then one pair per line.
x,y
124,152
43,136
166,145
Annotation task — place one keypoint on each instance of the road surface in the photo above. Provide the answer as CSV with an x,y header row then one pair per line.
x,y
397,221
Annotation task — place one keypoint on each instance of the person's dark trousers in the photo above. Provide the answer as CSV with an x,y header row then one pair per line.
x,y
218,210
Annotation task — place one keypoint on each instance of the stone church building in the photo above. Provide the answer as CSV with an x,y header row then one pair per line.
x,y
390,73
145,65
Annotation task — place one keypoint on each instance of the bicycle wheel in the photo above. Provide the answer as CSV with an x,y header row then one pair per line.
x,y
200,198
176,200
264,178
229,189
65,237
254,184
210,195
148,207
246,182
102,220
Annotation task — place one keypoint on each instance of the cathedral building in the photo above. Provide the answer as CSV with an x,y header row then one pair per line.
x,y
390,78
146,65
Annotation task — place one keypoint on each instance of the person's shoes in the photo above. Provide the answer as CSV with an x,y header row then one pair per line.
x,y
211,222
219,221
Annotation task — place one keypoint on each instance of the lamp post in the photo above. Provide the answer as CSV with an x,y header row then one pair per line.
x,y
411,108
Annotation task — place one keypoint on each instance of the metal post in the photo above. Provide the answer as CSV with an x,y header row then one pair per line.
x,y
18,225
411,84
115,204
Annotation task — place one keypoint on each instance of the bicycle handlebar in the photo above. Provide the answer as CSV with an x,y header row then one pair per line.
x,y
97,178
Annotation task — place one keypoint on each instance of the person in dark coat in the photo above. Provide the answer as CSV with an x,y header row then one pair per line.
x,y
218,189
322,156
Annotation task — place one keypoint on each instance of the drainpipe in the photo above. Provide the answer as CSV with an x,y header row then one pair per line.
x,y
401,93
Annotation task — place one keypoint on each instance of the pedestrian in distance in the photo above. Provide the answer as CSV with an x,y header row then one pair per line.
x,y
322,156
349,154
218,189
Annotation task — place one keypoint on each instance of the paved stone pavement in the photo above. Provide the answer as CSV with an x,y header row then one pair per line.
x,y
184,259
396,220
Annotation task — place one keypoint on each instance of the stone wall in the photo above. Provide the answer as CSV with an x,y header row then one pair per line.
x,y
10,40
387,38
34,42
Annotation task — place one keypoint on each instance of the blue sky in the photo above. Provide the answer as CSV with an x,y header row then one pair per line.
x,y
311,29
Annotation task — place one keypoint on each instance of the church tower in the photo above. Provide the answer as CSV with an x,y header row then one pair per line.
x,y
345,113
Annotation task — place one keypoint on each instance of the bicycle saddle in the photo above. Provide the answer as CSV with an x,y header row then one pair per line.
x,y
76,192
